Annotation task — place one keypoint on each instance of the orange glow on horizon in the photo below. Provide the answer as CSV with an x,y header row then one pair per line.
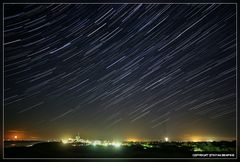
x,y
200,138
133,139
19,135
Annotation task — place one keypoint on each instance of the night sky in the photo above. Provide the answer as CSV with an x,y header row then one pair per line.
x,y
120,71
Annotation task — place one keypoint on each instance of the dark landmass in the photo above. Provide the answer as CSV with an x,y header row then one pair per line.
x,y
129,150
23,143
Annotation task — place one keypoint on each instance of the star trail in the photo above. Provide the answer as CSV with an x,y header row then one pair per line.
x,y
120,70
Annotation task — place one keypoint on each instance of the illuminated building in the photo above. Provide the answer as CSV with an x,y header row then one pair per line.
x,y
77,138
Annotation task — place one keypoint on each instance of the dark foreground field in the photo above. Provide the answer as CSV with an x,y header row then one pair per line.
x,y
60,150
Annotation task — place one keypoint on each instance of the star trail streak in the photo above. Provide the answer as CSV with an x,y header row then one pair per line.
x,y
120,70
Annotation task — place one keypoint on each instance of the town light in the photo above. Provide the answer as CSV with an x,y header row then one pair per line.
x,y
116,144
64,141
166,139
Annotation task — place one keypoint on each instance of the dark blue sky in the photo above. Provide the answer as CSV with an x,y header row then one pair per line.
x,y
116,71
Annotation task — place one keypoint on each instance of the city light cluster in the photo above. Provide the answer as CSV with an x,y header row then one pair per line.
x,y
77,139
106,143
